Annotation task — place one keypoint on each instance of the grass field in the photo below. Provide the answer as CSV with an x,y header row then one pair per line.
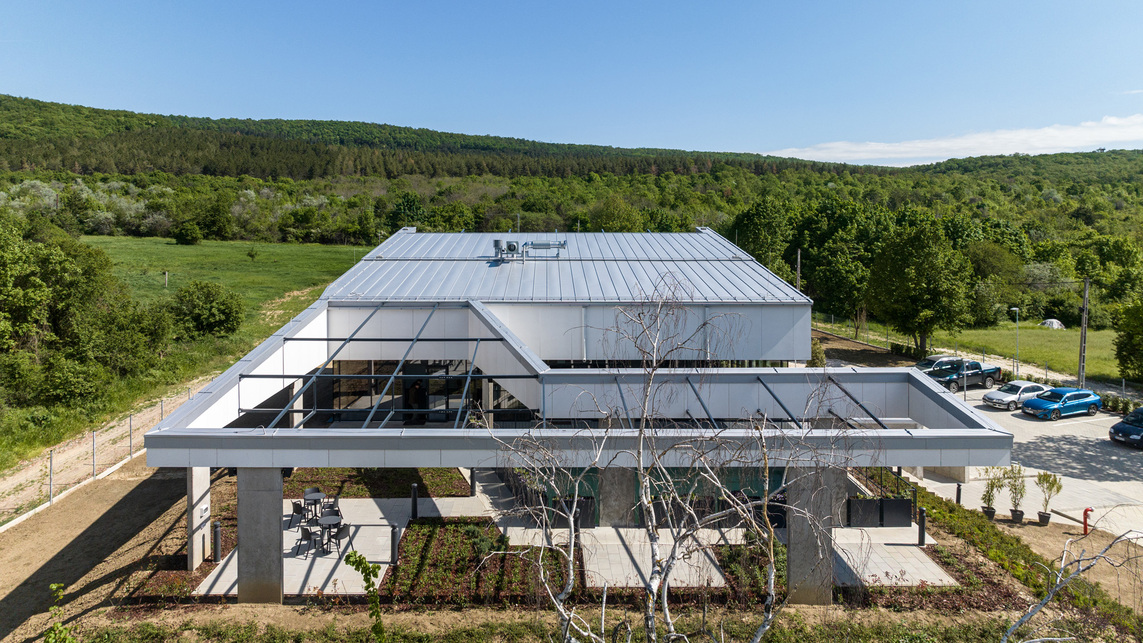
x,y
281,281
276,270
1059,349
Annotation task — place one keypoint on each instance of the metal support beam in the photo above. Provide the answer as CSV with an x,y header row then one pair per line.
x,y
781,404
704,406
322,368
467,381
623,399
858,402
396,370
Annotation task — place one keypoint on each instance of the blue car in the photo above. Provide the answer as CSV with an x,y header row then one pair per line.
x,y
1129,430
1058,402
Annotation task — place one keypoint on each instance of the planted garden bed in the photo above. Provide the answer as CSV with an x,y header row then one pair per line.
x,y
377,483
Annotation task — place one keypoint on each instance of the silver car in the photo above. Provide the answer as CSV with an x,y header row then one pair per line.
x,y
1012,395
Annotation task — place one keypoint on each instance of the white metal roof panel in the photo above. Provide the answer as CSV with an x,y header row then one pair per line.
x,y
595,267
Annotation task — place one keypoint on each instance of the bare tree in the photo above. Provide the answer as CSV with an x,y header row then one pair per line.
x,y
1073,565
684,500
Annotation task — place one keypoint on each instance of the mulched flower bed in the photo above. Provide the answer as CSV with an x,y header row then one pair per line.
x,y
446,561
982,587
377,483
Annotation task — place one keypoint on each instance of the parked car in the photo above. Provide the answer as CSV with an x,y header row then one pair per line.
x,y
1058,402
933,362
1012,395
1129,430
955,375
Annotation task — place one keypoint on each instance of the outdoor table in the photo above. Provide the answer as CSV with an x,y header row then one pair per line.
x,y
313,499
326,522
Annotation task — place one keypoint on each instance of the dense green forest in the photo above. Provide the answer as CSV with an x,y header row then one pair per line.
x,y
943,246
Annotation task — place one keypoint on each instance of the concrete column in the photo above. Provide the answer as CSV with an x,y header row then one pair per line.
x,y
618,495
816,496
198,515
259,535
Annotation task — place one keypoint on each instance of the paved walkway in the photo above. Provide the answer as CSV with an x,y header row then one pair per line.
x,y
619,557
307,571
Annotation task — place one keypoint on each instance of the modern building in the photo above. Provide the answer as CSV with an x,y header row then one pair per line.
x,y
534,334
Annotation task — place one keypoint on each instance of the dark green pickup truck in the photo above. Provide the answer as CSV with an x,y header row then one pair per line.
x,y
966,373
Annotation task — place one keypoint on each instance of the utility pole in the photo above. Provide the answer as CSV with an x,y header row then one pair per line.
x,y
1083,332
798,282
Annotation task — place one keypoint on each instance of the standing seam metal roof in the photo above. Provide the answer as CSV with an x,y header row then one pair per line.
x,y
595,267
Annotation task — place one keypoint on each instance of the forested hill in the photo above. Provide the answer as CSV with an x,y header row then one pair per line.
x,y
38,135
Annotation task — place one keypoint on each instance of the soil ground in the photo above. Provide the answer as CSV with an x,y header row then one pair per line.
x,y
91,541
1121,581
851,352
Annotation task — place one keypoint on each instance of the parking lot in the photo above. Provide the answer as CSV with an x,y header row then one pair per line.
x,y
1096,472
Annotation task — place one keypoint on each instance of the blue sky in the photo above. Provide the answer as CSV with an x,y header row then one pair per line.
x,y
863,82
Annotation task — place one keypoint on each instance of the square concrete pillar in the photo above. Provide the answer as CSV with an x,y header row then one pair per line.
x,y
816,496
198,515
259,535
618,495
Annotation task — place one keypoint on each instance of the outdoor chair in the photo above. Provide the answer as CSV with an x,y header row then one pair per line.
x,y
341,534
307,537
335,505
299,510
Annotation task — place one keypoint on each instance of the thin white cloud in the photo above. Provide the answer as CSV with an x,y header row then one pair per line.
x,y
1133,91
1110,131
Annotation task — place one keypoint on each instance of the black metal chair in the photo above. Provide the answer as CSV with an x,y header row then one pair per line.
x,y
298,510
304,536
341,534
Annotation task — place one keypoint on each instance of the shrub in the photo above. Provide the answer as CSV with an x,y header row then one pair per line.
x,y
817,355
1111,403
187,234
207,308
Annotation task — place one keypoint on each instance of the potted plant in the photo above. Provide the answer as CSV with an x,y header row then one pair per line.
x,y
1049,485
1016,490
993,483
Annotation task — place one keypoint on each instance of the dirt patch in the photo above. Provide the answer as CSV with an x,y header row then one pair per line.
x,y
92,542
273,310
851,352
1123,580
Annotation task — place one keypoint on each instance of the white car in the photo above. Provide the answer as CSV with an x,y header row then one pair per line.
x,y
1012,395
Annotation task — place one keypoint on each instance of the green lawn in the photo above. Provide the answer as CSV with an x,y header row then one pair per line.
x,y
1059,349
277,269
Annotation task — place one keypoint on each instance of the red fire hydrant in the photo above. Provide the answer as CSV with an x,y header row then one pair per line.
x,y
1086,512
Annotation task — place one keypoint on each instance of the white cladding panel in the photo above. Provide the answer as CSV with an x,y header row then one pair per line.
x,y
733,332
288,358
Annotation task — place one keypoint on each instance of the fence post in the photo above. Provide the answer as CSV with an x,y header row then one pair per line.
x,y
51,474
93,454
131,434
161,408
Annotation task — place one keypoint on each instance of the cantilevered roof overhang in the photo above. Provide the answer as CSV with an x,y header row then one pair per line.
x,y
441,297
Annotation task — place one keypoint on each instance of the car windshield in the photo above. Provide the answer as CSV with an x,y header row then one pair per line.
x,y
1009,388
1135,418
925,363
1051,396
